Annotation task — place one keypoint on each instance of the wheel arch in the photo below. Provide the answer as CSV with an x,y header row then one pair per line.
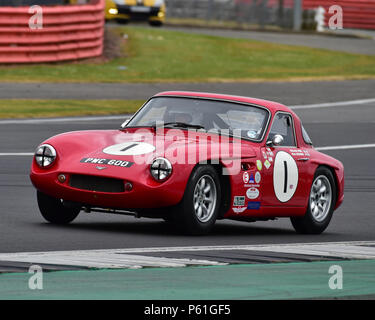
x,y
332,170
225,185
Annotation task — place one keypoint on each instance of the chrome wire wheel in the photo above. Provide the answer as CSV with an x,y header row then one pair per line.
x,y
320,198
205,198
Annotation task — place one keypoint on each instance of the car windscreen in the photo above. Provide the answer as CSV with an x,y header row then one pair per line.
x,y
212,115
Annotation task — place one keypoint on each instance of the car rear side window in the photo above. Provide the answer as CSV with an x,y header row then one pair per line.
x,y
305,136
283,125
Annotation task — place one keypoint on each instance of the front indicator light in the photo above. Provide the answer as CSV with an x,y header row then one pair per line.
x,y
128,186
61,178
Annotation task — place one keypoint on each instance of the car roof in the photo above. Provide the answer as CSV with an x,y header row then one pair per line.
x,y
271,105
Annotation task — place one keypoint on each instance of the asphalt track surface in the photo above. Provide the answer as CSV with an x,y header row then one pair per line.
x,y
22,228
289,93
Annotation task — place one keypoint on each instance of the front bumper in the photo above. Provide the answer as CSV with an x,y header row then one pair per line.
x,y
135,13
142,196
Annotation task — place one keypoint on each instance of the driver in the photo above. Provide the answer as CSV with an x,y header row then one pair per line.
x,y
183,117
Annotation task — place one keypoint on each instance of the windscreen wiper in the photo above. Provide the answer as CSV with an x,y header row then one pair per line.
x,y
183,125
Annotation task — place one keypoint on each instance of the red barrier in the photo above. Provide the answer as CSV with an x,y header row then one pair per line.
x,y
69,33
357,14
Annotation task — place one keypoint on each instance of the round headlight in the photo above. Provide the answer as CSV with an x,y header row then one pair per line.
x,y
161,169
45,155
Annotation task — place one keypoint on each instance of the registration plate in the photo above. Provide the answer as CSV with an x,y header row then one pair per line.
x,y
140,9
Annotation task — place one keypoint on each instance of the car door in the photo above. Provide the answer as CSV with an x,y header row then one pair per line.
x,y
284,166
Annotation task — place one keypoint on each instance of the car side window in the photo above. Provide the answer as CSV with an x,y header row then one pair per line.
x,y
306,137
283,125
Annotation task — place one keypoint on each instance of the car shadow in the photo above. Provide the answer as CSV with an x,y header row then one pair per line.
x,y
162,228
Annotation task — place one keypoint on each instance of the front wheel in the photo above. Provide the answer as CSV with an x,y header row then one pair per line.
x,y
200,205
54,211
321,203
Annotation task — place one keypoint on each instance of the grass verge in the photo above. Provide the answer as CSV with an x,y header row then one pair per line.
x,y
158,55
11,109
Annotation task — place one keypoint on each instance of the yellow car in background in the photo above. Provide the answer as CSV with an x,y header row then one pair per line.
x,y
124,11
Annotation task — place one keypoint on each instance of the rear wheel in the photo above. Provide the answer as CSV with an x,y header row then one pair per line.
x,y
199,208
321,203
54,211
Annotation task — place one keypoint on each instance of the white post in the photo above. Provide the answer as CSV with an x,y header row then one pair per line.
x,y
319,19
297,15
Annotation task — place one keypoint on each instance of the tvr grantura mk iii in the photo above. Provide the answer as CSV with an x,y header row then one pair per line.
x,y
192,158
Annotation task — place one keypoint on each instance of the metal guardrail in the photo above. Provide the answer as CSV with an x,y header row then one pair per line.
x,y
258,12
358,14
68,33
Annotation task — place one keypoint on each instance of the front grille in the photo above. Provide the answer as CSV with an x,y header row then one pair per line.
x,y
125,9
94,183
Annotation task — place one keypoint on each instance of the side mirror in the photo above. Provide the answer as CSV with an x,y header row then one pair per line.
x,y
125,123
276,141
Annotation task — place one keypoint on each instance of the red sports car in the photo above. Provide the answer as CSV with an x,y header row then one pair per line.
x,y
192,158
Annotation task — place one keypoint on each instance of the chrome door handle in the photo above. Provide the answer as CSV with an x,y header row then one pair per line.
x,y
303,159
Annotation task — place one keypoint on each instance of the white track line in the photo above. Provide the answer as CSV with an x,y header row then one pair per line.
x,y
123,117
70,119
125,258
345,147
333,104
16,154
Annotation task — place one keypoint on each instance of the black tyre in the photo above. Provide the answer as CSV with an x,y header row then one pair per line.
x,y
122,21
54,211
155,23
321,203
199,208
169,219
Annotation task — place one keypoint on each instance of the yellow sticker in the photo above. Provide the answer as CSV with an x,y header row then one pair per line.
x,y
259,165
267,164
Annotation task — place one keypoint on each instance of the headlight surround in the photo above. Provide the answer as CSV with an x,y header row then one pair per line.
x,y
161,169
45,155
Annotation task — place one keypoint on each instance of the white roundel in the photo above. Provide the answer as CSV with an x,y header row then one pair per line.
x,y
285,176
129,149
257,177
246,177
252,193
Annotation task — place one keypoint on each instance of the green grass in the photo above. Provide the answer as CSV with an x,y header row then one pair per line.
x,y
63,108
157,55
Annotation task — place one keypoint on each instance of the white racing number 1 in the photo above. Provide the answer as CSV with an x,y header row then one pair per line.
x,y
129,149
285,176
